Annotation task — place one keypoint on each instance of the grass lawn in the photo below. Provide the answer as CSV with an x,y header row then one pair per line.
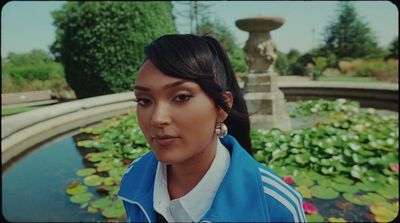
x,y
348,79
16,110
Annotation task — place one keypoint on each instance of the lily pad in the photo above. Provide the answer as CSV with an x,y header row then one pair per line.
x,y
314,218
304,180
105,166
94,157
74,184
370,198
333,219
327,171
108,181
77,190
302,158
102,203
86,172
383,212
356,172
92,210
323,192
367,186
342,180
355,199
344,188
93,180
389,192
84,205
115,210
81,198
326,182
314,175
305,191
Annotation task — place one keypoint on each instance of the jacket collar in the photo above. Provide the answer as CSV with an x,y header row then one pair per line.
x,y
239,192
137,184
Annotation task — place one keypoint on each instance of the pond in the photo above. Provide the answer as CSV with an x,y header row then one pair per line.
x,y
33,189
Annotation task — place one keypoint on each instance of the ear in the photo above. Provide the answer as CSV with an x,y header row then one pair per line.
x,y
222,115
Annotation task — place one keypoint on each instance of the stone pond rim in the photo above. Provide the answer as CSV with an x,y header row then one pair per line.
x,y
260,23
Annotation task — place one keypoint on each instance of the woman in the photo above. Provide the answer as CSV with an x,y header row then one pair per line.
x,y
187,97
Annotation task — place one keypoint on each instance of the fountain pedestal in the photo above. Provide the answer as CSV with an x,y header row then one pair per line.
x,y
264,100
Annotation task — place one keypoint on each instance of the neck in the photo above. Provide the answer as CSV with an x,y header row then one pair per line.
x,y
183,177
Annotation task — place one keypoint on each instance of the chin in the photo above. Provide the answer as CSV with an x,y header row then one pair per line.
x,y
168,159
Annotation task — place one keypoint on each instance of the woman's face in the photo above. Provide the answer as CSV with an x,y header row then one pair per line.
x,y
176,116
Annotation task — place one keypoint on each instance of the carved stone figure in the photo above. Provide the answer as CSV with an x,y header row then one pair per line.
x,y
260,49
264,100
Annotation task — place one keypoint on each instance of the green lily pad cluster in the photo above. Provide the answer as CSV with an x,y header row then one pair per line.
x,y
347,155
322,106
109,148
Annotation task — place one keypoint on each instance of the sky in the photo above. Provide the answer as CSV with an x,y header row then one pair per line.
x,y
27,25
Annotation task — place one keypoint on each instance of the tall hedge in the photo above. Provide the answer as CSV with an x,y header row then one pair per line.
x,y
101,43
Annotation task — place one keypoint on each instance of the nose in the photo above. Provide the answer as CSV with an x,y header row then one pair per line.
x,y
161,115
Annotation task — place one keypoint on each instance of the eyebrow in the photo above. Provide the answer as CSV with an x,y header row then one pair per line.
x,y
167,86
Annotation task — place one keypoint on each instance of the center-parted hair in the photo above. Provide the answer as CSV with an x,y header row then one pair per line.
x,y
203,60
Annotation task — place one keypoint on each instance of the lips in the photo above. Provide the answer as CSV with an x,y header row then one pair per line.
x,y
164,140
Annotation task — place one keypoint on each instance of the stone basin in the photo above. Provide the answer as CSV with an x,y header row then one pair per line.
x,y
260,23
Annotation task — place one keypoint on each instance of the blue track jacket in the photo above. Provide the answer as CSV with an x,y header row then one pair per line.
x,y
249,192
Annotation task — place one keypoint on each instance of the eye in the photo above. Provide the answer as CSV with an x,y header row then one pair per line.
x,y
143,102
182,97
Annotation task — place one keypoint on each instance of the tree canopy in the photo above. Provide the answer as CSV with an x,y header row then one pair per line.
x,y
221,32
101,44
348,36
394,49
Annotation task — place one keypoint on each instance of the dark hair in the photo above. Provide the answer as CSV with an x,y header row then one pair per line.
x,y
203,60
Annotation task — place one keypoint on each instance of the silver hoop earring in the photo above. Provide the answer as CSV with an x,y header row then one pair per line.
x,y
221,130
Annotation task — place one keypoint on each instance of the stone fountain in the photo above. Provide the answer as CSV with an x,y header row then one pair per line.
x,y
264,100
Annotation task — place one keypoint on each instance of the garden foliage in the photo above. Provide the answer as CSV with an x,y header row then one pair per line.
x,y
348,159
35,70
379,69
222,33
101,44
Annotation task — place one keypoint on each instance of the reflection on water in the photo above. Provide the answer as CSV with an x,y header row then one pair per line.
x,y
34,189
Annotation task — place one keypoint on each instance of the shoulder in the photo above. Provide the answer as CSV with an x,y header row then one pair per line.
x,y
140,161
138,177
140,169
283,202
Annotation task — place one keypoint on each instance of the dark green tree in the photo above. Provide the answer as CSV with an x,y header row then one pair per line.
x,y
348,36
221,32
101,43
393,49
293,55
281,63
293,68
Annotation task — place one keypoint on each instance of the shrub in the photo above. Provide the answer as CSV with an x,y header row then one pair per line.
x,y
386,71
238,59
56,83
282,64
25,73
101,43
350,66
379,69
320,65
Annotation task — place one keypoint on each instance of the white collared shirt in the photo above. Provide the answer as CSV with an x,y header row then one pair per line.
x,y
194,205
